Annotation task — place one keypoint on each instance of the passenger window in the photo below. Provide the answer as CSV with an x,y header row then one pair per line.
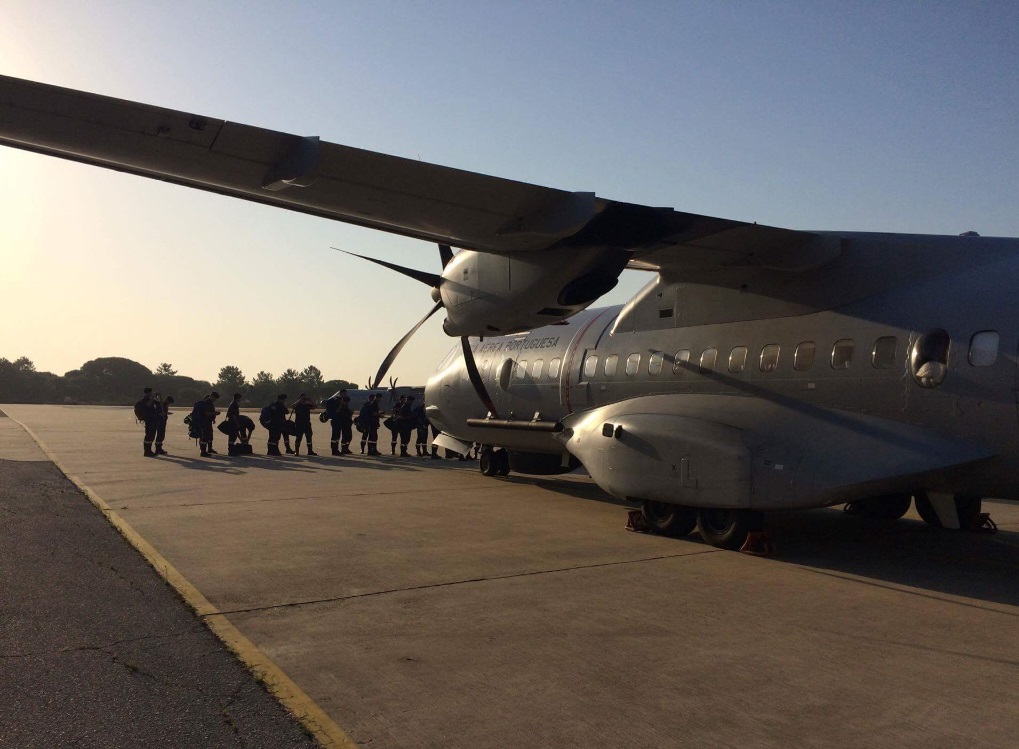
x,y
842,353
737,359
769,357
536,368
632,364
654,365
983,348
928,359
708,359
522,369
553,369
682,362
883,356
610,365
590,366
803,359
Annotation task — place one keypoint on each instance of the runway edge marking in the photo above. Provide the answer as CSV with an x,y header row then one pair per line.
x,y
261,666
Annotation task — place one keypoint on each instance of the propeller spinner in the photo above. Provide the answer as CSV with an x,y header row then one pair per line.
x,y
434,281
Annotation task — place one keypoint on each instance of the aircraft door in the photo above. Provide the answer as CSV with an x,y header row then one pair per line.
x,y
580,363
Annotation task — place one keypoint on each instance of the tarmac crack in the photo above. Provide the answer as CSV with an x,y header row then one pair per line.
x,y
467,581
100,648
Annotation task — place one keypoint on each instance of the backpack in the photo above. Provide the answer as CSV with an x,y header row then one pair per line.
x,y
265,416
139,410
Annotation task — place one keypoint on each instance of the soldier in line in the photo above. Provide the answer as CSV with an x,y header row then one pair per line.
x,y
393,423
340,418
233,420
421,425
302,419
405,422
205,412
147,411
163,415
369,417
277,424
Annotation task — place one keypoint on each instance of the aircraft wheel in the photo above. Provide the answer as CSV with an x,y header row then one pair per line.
x,y
727,528
967,508
502,466
888,507
670,519
489,463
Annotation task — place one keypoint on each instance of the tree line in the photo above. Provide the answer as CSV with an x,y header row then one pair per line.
x,y
117,381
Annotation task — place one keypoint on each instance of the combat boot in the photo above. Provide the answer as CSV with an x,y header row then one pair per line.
x,y
148,451
205,452
290,451
334,448
159,450
310,451
346,451
274,450
404,453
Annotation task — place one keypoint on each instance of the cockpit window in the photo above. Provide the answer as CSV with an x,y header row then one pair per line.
x,y
928,358
983,348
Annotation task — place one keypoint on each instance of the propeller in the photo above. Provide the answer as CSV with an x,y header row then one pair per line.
x,y
434,281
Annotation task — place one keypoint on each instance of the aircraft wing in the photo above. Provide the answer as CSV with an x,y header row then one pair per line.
x,y
389,193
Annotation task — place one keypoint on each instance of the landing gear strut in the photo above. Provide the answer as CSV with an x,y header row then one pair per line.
x,y
889,507
967,509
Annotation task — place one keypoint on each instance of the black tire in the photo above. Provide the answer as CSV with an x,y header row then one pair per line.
x,y
727,528
669,519
502,466
888,507
966,507
489,463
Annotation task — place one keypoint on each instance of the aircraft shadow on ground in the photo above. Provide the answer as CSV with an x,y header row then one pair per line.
x,y
903,552
304,464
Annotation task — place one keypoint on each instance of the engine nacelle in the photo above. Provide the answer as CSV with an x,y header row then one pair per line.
x,y
486,294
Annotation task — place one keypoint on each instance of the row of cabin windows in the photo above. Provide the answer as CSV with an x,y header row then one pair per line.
x,y
983,352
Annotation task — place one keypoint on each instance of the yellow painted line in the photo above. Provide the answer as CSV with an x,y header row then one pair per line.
x,y
281,686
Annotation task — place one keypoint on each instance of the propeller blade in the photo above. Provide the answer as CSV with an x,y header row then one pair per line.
x,y
391,357
429,279
445,254
475,378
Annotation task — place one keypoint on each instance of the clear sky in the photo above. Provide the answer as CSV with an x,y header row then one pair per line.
x,y
871,116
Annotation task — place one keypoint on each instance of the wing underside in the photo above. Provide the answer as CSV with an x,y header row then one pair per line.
x,y
403,196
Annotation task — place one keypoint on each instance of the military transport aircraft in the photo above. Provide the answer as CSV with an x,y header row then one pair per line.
x,y
759,369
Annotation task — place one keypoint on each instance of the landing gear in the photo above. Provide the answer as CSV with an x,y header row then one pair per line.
x,y
669,519
888,507
727,528
494,462
966,508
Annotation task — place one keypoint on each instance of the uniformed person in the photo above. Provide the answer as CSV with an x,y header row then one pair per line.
x,y
277,423
164,414
302,419
205,412
393,424
233,420
405,422
147,410
369,417
340,419
421,426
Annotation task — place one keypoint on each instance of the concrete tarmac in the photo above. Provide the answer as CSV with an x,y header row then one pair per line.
x,y
420,604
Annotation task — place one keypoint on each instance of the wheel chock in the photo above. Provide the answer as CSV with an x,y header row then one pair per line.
x,y
758,544
635,522
982,523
